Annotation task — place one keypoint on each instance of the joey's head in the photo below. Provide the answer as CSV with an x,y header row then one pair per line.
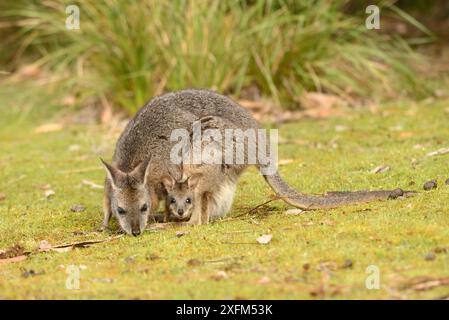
x,y
180,196
130,199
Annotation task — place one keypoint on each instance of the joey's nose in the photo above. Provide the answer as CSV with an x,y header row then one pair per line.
x,y
135,233
180,212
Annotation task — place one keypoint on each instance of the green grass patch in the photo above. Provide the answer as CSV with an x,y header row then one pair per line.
x,y
125,52
307,252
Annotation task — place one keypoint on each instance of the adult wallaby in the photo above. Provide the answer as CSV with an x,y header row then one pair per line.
x,y
134,183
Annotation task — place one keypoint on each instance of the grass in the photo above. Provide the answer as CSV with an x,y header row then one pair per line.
x,y
393,235
284,47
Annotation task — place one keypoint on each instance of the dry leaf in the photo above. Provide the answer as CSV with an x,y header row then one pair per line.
x,y
44,245
220,275
328,222
264,280
438,152
91,184
308,223
68,101
340,128
43,186
317,100
406,134
49,193
73,148
49,127
264,239
2,196
380,169
294,212
285,161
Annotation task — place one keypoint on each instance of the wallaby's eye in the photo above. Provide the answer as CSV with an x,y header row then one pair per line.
x,y
120,210
144,208
172,200
188,200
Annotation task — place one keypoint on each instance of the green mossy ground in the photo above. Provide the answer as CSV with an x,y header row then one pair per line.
x,y
306,254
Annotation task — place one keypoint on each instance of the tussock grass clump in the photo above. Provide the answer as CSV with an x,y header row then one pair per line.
x,y
127,51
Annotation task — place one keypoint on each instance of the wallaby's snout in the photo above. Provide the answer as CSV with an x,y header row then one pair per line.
x,y
135,232
180,212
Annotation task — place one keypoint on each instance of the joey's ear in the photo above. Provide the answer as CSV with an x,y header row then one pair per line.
x,y
112,172
168,182
193,180
142,171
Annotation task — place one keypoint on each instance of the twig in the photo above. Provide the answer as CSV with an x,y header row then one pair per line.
x,y
258,206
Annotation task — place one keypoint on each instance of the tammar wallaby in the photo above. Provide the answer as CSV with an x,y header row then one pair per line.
x,y
134,182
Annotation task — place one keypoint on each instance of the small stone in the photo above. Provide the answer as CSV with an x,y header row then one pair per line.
x,y
181,233
194,262
440,250
31,273
447,181
430,256
347,264
77,208
429,185
306,266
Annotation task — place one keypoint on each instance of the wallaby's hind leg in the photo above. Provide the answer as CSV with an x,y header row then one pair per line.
x,y
106,205
205,202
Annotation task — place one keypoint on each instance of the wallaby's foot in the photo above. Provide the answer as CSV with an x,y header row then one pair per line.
x,y
103,228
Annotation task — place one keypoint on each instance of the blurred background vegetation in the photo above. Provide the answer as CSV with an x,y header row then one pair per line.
x,y
128,51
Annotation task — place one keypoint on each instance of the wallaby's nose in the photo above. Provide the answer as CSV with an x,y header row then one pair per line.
x,y
135,233
180,212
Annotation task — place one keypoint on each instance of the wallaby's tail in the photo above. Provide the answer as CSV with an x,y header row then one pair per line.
x,y
330,200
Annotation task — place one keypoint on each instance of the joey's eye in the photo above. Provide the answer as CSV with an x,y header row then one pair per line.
x,y
172,200
188,200
144,208
120,210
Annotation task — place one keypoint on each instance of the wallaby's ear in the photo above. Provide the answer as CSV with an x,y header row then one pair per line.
x,y
113,173
193,180
142,171
168,182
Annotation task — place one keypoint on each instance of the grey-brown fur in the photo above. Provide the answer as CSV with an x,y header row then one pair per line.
x,y
148,136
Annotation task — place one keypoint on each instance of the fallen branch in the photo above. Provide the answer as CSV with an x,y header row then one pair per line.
x,y
16,253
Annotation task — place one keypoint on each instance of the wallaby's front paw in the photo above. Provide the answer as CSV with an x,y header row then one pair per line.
x,y
195,222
